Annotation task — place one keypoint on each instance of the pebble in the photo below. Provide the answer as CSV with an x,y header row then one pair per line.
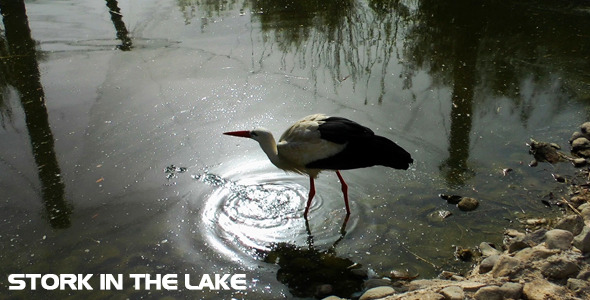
x,y
559,239
468,204
377,293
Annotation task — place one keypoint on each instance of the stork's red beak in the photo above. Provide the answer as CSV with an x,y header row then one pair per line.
x,y
243,133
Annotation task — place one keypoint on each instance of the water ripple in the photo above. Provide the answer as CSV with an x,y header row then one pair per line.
x,y
250,215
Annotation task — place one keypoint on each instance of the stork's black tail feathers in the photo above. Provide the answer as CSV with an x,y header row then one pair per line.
x,y
366,152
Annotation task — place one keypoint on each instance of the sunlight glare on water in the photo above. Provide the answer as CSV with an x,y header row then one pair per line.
x,y
261,208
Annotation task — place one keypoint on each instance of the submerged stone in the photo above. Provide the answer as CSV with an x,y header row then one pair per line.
x,y
468,204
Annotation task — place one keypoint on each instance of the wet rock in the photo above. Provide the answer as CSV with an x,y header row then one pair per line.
x,y
558,239
376,282
377,293
575,135
489,293
487,264
453,292
506,266
580,143
451,199
488,250
544,152
332,298
582,240
439,215
323,290
463,254
468,204
585,128
540,289
579,162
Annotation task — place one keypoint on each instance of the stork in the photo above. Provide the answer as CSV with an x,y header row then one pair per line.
x,y
319,142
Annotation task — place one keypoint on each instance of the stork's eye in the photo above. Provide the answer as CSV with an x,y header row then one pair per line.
x,y
253,133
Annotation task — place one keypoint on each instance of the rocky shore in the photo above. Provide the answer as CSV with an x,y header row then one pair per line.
x,y
549,262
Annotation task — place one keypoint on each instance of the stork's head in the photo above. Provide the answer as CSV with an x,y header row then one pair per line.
x,y
258,134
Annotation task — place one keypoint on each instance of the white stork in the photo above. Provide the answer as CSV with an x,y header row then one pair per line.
x,y
319,142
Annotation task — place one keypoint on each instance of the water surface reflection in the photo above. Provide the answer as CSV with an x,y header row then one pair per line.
x,y
465,84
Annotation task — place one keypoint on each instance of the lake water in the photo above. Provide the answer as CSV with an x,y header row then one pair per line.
x,y
112,158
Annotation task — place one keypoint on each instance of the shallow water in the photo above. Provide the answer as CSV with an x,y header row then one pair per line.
x,y
112,159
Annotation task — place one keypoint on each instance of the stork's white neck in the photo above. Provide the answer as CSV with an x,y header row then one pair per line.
x,y
269,146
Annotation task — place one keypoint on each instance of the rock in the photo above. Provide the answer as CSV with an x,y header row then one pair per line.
x,y
536,237
487,264
571,223
577,201
376,282
579,162
584,274
558,267
488,250
542,151
463,254
323,290
377,293
453,292
511,290
516,244
423,295
451,199
580,287
489,293
575,135
534,254
585,211
332,298
468,204
582,240
558,239
540,289
506,266
580,143
585,128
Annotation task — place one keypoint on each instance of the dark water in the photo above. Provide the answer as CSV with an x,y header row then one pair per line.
x,y
112,159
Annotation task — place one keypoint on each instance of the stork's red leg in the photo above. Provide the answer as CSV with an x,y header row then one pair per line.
x,y
311,194
344,192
